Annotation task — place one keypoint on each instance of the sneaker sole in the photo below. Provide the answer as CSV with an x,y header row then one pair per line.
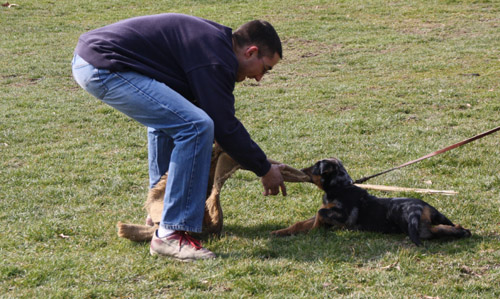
x,y
187,260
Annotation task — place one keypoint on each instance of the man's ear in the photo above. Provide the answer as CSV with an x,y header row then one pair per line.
x,y
251,50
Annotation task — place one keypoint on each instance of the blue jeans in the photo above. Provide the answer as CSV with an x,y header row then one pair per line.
x,y
180,137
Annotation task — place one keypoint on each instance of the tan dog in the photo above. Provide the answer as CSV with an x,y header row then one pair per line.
x,y
221,168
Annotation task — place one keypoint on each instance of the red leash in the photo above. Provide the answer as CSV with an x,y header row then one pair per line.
x,y
364,179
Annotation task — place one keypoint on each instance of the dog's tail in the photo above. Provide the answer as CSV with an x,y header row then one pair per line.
x,y
135,232
413,227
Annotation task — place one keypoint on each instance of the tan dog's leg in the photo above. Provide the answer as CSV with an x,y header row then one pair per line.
x,y
136,233
213,219
154,202
154,207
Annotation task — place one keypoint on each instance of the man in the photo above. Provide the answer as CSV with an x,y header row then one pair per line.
x,y
175,74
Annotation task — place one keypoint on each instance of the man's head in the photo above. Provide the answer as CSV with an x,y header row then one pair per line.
x,y
258,48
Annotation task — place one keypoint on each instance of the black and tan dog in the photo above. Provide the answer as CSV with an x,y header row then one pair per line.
x,y
347,205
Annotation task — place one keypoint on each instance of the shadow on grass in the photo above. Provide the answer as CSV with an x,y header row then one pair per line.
x,y
335,246
343,245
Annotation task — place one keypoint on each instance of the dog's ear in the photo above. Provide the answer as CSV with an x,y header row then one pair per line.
x,y
343,177
325,167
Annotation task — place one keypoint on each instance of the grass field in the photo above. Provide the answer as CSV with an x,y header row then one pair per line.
x,y
374,83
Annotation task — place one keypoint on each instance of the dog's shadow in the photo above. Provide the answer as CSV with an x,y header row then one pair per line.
x,y
339,245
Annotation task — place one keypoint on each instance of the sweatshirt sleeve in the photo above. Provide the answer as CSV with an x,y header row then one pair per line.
x,y
213,87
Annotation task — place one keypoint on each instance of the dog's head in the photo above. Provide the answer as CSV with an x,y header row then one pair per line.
x,y
328,174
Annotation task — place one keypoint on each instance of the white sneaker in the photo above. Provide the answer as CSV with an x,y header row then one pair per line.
x,y
179,245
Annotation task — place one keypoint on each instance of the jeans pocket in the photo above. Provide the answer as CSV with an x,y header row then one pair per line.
x,y
90,78
78,62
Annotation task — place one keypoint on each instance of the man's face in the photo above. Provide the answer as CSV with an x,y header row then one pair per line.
x,y
253,67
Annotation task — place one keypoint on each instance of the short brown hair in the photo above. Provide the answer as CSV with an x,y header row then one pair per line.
x,y
261,34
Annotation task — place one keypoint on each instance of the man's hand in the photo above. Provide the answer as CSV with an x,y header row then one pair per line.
x,y
273,181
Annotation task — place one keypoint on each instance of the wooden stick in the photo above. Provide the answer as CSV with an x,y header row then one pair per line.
x,y
394,188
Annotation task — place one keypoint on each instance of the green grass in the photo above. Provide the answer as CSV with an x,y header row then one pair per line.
x,y
374,83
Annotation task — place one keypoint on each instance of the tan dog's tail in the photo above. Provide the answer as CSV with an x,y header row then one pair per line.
x,y
136,233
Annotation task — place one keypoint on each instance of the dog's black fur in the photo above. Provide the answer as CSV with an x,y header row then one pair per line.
x,y
349,206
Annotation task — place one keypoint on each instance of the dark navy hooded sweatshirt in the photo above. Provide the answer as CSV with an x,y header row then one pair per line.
x,y
192,56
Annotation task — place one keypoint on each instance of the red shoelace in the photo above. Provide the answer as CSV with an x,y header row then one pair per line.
x,y
184,236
